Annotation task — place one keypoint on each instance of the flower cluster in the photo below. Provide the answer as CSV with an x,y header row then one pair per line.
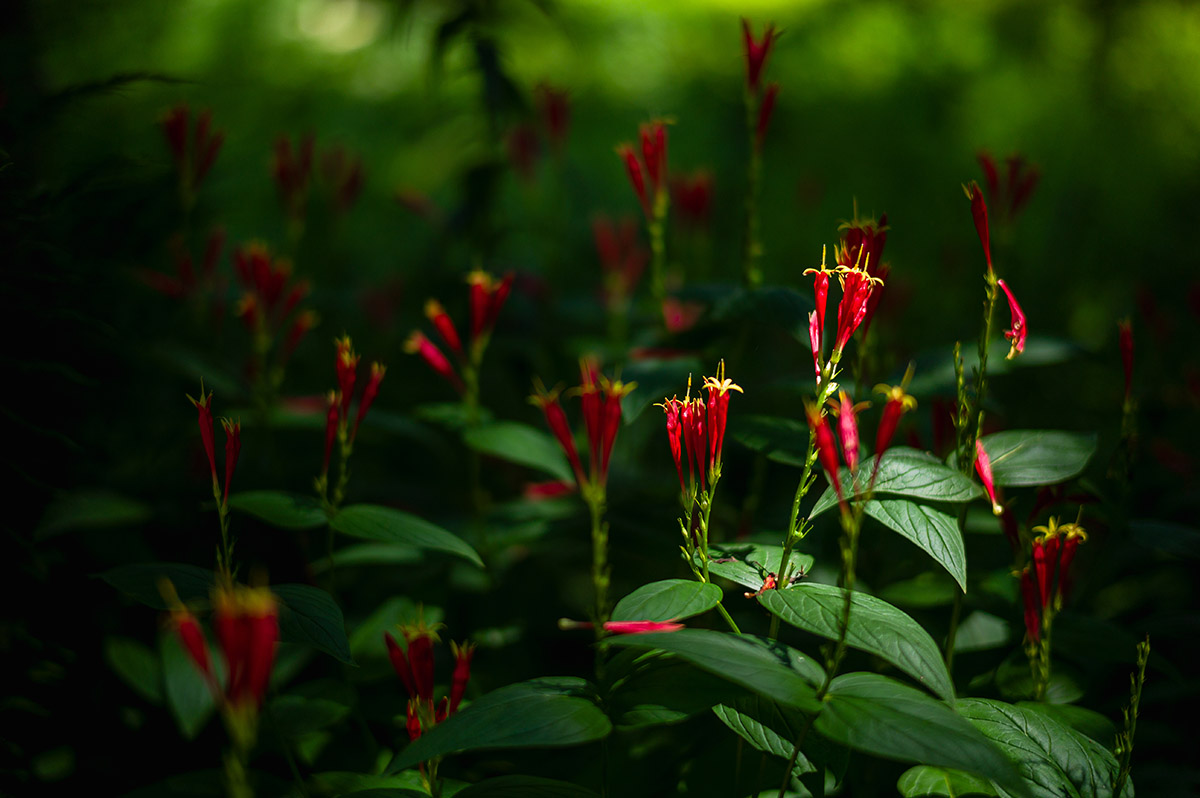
x,y
233,444
759,97
697,426
1011,194
246,623
342,173
337,417
415,670
1046,584
649,175
270,300
186,283
292,172
1017,331
194,162
691,196
857,287
862,246
600,399
621,256
487,297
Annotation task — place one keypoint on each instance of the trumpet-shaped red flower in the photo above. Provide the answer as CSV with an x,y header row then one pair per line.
x,y
247,627
718,388
826,448
624,627
334,403
347,372
649,175
462,673
847,416
205,420
1125,328
444,325
601,401
269,297
556,420
691,195
1015,334
368,395
633,168
756,53
862,246
1053,551
979,212
418,344
983,466
899,402
487,296
814,339
821,297
857,286
415,669
1033,607
672,407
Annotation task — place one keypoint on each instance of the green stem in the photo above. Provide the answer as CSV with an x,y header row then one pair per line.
x,y
1125,738
787,771
658,248
751,271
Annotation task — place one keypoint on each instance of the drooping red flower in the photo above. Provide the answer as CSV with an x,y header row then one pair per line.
x,y
1125,328
1017,332
980,213
756,53
418,344
983,466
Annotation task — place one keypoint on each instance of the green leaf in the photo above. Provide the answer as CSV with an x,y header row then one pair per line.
x,y
541,713
311,707
929,589
1085,721
343,783
766,667
777,306
668,600
283,510
750,561
875,627
310,615
524,787
371,554
924,780
366,642
905,472
784,440
1024,458
1054,759
141,581
385,525
137,665
89,509
665,689
981,631
878,715
521,444
188,694
932,530
768,727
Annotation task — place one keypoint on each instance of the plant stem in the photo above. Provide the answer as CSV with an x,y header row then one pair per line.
x,y
751,272
787,771
1124,748
600,569
658,249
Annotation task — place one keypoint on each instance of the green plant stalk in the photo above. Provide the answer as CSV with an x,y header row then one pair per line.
x,y
601,573
1039,656
1124,747
657,227
706,504
751,271
225,553
956,609
235,773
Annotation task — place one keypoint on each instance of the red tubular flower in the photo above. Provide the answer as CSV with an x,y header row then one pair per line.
x,y
856,291
672,407
1069,546
899,402
654,154
1033,607
442,322
418,344
556,419
641,627
718,388
246,623
765,109
756,53
826,447
980,214
820,295
555,107
814,339
542,491
175,127
331,428
990,176
192,638
593,409
621,257
1042,570
848,430
634,167
462,673
400,663
204,408
1125,327
692,196
486,297
614,391
413,720
1016,334
368,396
347,372
292,172
983,466
692,419
233,447
420,658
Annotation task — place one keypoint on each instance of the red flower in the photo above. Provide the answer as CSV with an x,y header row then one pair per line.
x,y
462,673
624,627
442,322
601,400
621,257
718,388
862,246
857,286
983,466
634,168
1049,563
555,106
654,154
331,428
1019,182
692,196
204,408
418,344
1033,607
672,408
368,395
347,372
233,447
680,316
899,402
192,638
756,53
291,172
1016,334
826,447
556,420
541,491
522,146
980,214
246,623
847,415
487,298
765,109
343,173
814,339
1125,327
195,164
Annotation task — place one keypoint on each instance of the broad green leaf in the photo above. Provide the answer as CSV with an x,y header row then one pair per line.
x,y
875,627
668,600
370,554
311,707
541,713
904,472
981,631
189,696
664,689
1014,681
310,615
137,665
777,306
141,581
452,415
1024,458
748,563
878,715
930,589
784,440
766,667
1054,759
923,780
521,444
90,509
366,642
283,510
343,783
524,787
934,531
1085,721
385,525
768,727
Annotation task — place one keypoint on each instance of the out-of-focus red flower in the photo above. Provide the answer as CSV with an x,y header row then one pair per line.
x,y
194,163
648,176
1009,196
979,212
247,626
552,489
756,53
462,673
1125,328
624,627
342,172
1033,607
204,409
487,297
847,416
983,466
691,196
633,168
442,322
334,402
270,296
368,396
765,109
523,150
681,316
621,256
292,172
1015,334
415,669
555,107
233,447
826,448
417,343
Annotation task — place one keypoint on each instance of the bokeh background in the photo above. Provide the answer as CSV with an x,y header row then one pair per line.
x,y
883,106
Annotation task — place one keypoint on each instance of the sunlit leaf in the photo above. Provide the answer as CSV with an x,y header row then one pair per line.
x,y
386,525
284,510
521,444
670,599
934,531
923,780
905,472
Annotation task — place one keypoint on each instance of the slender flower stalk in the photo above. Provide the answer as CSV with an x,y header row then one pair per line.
x,y
338,424
759,105
233,448
648,177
